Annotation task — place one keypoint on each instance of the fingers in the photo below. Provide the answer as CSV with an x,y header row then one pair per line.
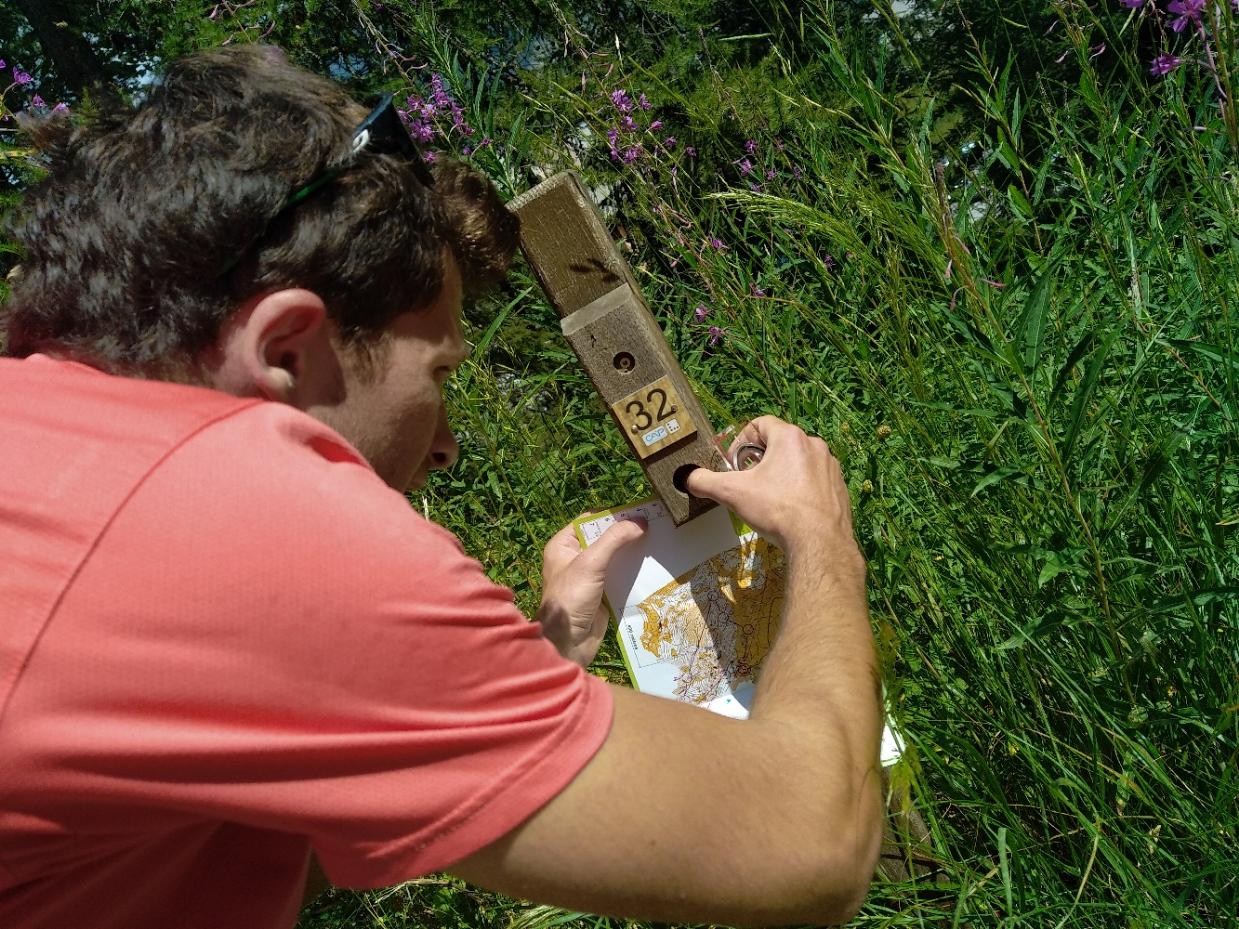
x,y
564,540
623,532
713,485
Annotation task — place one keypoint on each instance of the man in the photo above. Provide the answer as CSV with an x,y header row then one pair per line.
x,y
228,642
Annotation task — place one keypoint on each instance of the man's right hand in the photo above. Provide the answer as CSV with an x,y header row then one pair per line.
x,y
687,816
795,495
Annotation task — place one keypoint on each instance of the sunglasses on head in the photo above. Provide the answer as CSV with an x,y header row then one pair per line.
x,y
382,132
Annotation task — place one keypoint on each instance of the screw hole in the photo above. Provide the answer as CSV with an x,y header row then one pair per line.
x,y
680,478
624,362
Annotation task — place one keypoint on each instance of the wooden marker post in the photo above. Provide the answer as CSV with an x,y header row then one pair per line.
x,y
610,327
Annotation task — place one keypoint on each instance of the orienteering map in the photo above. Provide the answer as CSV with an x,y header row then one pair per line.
x,y
697,608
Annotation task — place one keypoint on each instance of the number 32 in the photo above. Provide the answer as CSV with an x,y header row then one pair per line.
x,y
641,416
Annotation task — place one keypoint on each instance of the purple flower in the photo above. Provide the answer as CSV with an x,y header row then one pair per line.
x,y
745,166
438,92
3,64
1189,11
828,262
1164,64
643,102
20,76
756,291
37,101
701,312
717,244
796,172
716,334
656,125
690,151
61,108
428,156
771,174
631,154
612,136
622,101
750,146
669,141
629,123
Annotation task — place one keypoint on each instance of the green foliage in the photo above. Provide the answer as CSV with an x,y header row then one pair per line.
x,y
998,270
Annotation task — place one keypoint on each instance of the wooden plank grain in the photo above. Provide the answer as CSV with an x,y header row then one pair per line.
x,y
617,339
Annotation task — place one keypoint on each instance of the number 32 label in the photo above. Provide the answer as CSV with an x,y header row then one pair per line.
x,y
653,417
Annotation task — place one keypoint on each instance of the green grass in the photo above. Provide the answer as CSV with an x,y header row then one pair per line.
x,y
1036,410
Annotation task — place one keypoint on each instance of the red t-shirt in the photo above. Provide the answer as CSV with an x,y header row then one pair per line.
x,y
225,642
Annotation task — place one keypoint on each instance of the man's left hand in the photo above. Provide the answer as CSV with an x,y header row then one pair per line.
x,y
572,614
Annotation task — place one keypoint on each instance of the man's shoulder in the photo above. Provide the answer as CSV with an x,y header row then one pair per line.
x,y
50,400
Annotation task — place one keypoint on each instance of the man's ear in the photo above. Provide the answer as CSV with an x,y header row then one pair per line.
x,y
271,344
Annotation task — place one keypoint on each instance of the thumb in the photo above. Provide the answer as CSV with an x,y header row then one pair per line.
x,y
714,485
597,558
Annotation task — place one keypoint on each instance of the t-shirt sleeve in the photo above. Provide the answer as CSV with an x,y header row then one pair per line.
x,y
280,640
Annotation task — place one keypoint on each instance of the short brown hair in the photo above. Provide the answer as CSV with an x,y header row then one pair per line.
x,y
154,224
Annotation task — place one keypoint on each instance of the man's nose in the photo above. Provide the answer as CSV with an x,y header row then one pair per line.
x,y
444,450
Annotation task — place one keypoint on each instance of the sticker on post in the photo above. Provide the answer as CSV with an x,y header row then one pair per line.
x,y
653,417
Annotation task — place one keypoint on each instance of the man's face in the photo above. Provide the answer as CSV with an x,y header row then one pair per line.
x,y
394,414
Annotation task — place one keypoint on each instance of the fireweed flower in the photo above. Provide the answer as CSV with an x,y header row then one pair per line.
x,y
631,154
622,101
669,142
1188,12
716,334
37,102
750,146
20,76
745,166
1164,64
656,125
700,312
717,244
690,151
770,175
757,291
643,102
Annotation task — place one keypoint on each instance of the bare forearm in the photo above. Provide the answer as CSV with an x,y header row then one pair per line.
x,y
820,687
823,661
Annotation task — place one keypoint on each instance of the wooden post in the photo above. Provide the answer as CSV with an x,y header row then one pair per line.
x,y
610,327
